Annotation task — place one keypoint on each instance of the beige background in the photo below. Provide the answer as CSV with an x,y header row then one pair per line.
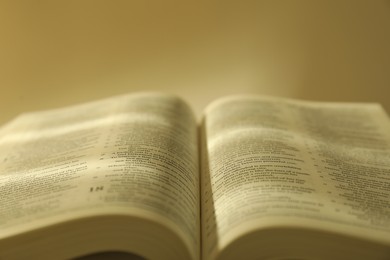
x,y
56,53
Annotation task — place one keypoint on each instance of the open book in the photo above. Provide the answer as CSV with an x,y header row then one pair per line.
x,y
258,178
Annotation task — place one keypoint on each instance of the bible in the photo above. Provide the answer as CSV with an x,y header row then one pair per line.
x,y
256,178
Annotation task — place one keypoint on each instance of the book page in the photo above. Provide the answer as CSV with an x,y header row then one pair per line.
x,y
135,152
282,162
